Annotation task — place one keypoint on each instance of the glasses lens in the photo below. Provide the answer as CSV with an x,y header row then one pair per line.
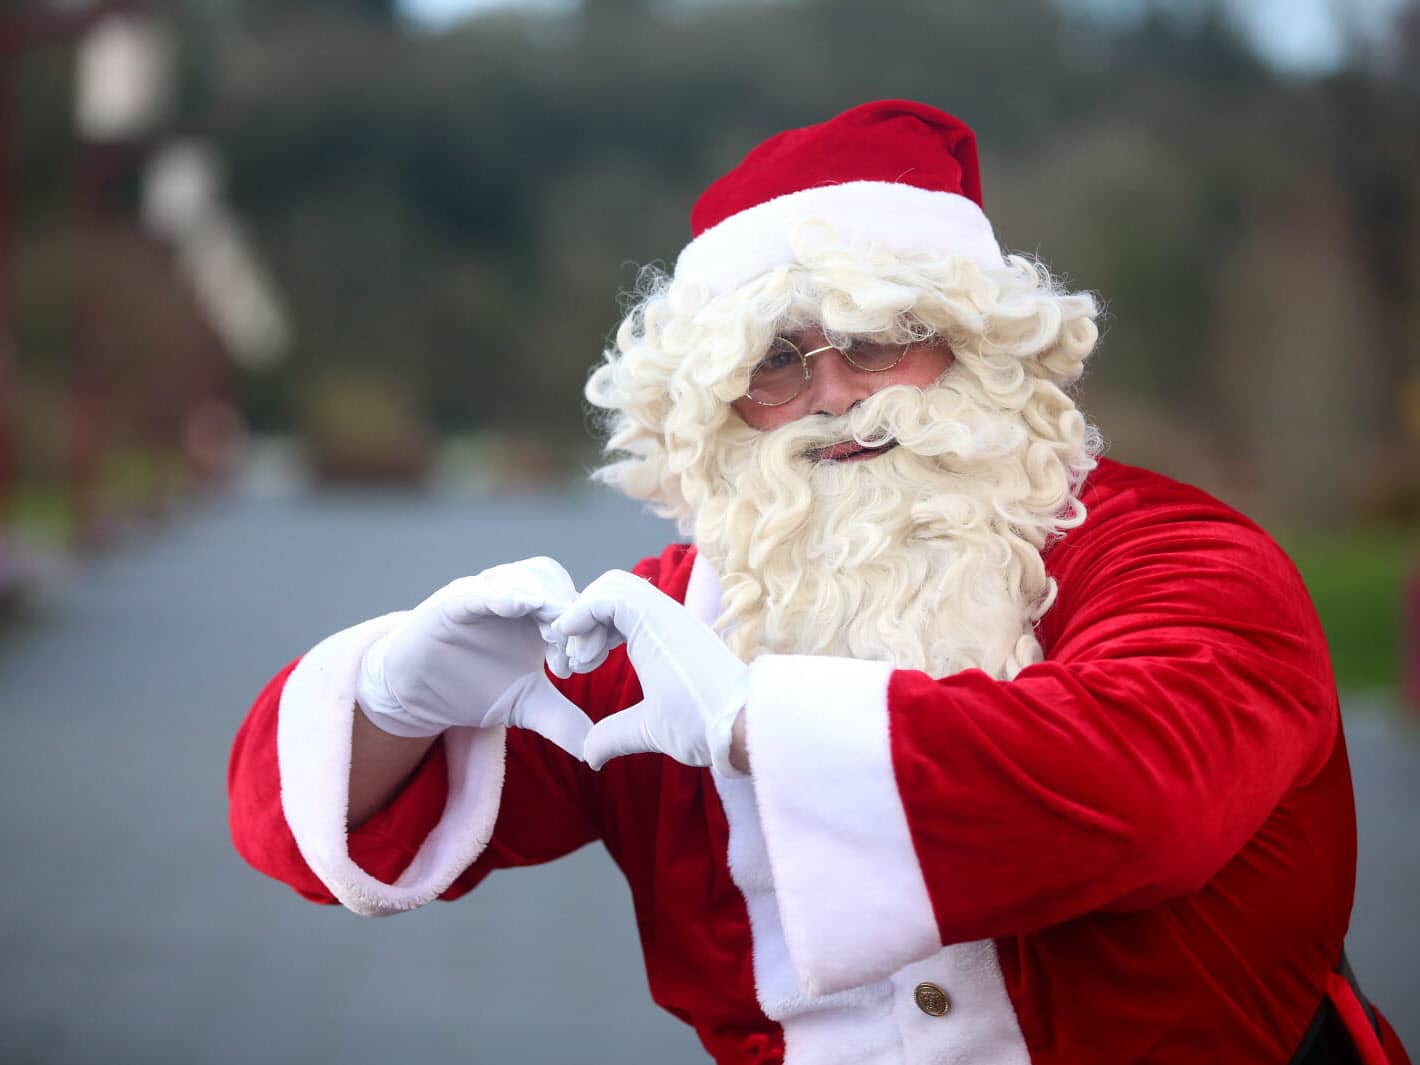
x,y
778,376
875,357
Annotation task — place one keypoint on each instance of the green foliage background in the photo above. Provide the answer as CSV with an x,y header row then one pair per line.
x,y
1358,583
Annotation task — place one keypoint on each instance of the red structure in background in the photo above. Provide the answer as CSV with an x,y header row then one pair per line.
x,y
21,32
97,167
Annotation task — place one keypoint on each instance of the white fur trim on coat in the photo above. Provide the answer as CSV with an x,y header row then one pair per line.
x,y
878,1021
862,214
851,891
313,736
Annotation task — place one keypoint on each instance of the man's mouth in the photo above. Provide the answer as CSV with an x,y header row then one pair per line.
x,y
849,451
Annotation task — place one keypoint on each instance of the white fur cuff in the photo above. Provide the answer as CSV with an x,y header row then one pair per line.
x,y
313,749
851,894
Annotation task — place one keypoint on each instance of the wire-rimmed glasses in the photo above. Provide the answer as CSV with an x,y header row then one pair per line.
x,y
784,371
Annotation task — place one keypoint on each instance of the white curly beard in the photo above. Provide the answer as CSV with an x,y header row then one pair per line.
x,y
927,555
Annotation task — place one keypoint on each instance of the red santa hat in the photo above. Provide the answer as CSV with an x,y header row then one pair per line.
x,y
889,173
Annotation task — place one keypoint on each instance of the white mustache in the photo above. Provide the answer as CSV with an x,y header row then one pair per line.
x,y
944,421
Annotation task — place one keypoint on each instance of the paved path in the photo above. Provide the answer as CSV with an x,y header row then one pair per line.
x,y
133,933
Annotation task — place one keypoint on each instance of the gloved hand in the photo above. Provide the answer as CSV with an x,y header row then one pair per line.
x,y
693,685
472,654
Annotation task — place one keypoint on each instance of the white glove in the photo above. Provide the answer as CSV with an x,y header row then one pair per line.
x,y
693,685
472,654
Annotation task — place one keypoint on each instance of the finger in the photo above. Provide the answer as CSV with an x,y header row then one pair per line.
x,y
551,577
523,594
580,618
550,608
593,610
483,599
541,571
539,706
620,734
537,586
586,653
566,655
557,660
470,599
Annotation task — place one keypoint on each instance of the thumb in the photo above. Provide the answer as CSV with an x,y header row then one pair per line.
x,y
533,702
621,733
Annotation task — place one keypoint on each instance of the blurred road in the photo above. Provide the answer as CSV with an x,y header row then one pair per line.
x,y
134,933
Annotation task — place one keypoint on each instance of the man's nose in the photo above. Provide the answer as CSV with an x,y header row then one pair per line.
x,y
835,387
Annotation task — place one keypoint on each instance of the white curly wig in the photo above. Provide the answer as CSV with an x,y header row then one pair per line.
x,y
988,469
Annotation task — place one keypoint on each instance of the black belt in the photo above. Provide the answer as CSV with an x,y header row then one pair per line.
x,y
1327,1042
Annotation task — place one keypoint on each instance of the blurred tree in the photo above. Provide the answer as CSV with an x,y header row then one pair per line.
x,y
459,209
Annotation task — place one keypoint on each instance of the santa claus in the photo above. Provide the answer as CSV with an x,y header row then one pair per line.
x,y
944,740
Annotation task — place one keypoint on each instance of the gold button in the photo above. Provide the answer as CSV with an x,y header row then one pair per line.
x,y
931,1000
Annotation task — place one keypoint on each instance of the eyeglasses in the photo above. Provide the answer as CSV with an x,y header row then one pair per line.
x,y
784,371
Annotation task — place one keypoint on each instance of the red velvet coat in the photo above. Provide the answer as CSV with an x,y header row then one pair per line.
x,y
1140,850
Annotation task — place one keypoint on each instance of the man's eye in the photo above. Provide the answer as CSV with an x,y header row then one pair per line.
x,y
781,360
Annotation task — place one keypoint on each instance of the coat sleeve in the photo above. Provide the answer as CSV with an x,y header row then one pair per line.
x,y
1187,688
482,799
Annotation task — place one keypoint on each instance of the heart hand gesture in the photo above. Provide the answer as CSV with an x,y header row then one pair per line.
x,y
694,686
